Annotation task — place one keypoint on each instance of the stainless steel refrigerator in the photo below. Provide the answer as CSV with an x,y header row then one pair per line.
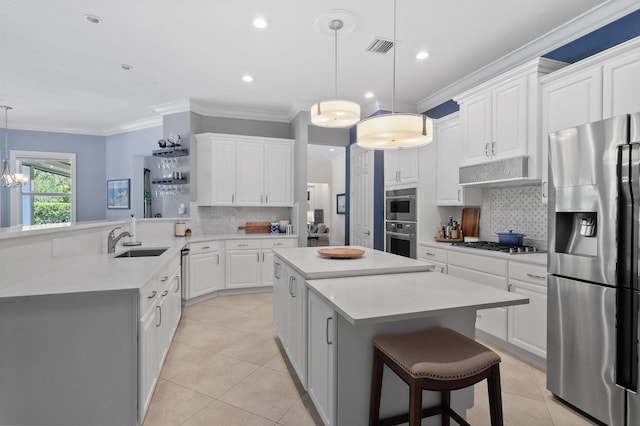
x,y
593,254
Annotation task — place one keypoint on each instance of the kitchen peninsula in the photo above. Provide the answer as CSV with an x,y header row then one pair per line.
x,y
347,304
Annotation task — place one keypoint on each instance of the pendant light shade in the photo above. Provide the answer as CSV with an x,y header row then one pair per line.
x,y
335,113
8,179
394,131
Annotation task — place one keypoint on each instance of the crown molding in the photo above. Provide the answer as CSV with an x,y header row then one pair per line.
x,y
145,123
172,107
571,30
53,129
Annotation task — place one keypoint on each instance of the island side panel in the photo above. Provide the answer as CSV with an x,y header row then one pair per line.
x,y
69,359
355,360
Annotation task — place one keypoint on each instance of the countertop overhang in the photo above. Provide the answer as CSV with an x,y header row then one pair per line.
x,y
385,298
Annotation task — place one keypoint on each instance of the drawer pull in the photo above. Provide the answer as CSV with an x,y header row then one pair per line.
x,y
164,279
153,294
538,277
277,244
164,293
429,254
205,248
243,245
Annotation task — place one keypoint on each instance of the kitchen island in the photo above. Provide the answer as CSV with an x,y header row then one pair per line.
x,y
344,313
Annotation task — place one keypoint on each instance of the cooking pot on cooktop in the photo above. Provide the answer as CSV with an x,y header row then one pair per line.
x,y
510,238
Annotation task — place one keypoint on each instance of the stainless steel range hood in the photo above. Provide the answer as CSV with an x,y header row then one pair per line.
x,y
508,171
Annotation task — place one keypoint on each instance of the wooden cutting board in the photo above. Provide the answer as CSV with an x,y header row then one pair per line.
x,y
258,228
470,222
341,253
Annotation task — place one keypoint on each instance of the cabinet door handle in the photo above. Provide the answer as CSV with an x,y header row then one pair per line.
x,y
266,199
493,148
217,259
233,198
159,323
486,149
164,293
262,199
262,257
544,189
153,294
177,285
459,191
275,270
367,233
258,254
509,287
164,279
538,277
429,254
290,283
329,342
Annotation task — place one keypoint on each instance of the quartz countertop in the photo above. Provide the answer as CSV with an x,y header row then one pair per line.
x,y
311,265
385,298
536,258
95,271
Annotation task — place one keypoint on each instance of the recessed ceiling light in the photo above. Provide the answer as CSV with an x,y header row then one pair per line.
x,y
126,67
422,55
260,23
247,78
93,19
332,149
369,95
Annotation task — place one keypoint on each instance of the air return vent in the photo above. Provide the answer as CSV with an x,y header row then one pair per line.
x,y
380,45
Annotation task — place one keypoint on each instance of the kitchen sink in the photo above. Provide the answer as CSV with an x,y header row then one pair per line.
x,y
143,252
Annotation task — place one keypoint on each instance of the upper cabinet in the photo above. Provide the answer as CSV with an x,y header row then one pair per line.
x,y
499,117
400,167
448,140
602,86
237,170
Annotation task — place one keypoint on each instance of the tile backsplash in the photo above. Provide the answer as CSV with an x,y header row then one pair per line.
x,y
226,220
518,208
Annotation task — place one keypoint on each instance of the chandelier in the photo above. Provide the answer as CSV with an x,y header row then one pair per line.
x,y
8,179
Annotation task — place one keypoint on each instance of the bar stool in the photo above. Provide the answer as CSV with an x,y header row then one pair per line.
x,y
440,360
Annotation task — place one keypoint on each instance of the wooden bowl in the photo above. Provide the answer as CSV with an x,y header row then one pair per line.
x,y
341,253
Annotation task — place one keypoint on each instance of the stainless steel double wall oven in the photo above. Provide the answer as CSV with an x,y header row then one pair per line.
x,y
401,222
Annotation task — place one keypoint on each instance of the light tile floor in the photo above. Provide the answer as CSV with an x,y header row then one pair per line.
x,y
226,367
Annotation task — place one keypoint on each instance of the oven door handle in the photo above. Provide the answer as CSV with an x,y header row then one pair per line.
x,y
402,236
401,197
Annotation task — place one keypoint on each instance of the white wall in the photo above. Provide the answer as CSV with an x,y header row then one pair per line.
x,y
319,172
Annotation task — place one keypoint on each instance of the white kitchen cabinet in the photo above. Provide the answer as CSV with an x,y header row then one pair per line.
x,y
148,355
488,271
322,352
435,256
290,315
621,88
206,268
499,118
267,246
401,167
242,268
528,323
236,170
568,99
448,140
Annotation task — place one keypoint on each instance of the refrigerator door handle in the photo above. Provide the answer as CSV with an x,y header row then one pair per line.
x,y
628,184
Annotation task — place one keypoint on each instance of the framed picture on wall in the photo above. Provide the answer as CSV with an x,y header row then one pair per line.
x,y
341,203
118,194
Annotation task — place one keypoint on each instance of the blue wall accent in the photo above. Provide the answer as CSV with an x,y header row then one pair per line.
x,y
603,38
90,168
442,110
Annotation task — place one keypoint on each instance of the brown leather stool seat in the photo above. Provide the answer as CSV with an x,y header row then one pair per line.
x,y
440,360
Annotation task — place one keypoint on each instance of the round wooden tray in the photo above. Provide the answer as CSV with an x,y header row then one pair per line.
x,y
341,253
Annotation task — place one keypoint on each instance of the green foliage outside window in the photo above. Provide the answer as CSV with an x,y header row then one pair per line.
x,y
51,212
54,208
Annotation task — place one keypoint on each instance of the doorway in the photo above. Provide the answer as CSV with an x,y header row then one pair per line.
x,y
326,172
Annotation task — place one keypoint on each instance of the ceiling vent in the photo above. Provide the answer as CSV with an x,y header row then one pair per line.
x,y
380,45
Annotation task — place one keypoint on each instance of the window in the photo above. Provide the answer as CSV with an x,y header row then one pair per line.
x,y
49,195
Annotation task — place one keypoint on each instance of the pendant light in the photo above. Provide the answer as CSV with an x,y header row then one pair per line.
x,y
8,179
395,130
336,112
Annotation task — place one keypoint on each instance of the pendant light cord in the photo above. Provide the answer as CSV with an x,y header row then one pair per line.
x,y
393,86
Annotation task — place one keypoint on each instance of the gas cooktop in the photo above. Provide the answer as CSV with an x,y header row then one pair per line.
x,y
493,246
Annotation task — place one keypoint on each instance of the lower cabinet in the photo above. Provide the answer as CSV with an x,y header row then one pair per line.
x,y
249,263
290,315
322,352
205,268
160,309
528,323
488,271
435,256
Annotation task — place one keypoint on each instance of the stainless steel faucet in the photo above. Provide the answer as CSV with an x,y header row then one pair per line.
x,y
112,240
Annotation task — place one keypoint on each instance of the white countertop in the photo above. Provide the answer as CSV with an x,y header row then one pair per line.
x,y
307,262
95,272
536,258
384,298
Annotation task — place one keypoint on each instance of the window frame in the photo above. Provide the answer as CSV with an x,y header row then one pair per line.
x,y
16,158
